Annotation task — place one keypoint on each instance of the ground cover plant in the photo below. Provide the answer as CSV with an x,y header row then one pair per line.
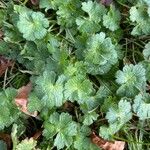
x,y
74,74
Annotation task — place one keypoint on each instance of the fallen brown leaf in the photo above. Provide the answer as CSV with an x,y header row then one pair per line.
x,y
4,64
106,2
35,2
105,144
22,99
37,135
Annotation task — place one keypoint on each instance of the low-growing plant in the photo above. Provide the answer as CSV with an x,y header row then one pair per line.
x,y
75,74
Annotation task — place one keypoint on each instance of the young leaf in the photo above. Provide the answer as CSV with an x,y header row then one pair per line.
x,y
90,117
78,68
112,19
100,54
132,80
89,110
9,112
27,144
67,12
117,117
45,4
106,132
139,15
34,104
33,25
63,127
95,13
78,88
141,106
52,88
121,114
82,140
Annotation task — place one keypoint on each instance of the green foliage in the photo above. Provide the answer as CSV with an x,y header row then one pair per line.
x,y
91,24
140,17
78,88
82,142
67,12
89,118
27,144
100,54
112,19
89,65
141,106
132,77
117,117
63,127
34,104
121,115
51,88
31,24
8,110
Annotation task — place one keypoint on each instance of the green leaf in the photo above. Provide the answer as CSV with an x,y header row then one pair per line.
x,y
33,25
82,140
94,10
86,26
132,77
74,69
90,117
8,110
107,132
109,101
121,114
146,51
104,90
112,19
52,88
141,106
89,110
95,13
139,16
67,13
53,44
117,117
63,127
12,34
146,65
34,104
147,2
27,144
78,88
45,4
100,54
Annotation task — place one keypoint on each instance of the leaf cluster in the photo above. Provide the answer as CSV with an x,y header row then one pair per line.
x,y
75,54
